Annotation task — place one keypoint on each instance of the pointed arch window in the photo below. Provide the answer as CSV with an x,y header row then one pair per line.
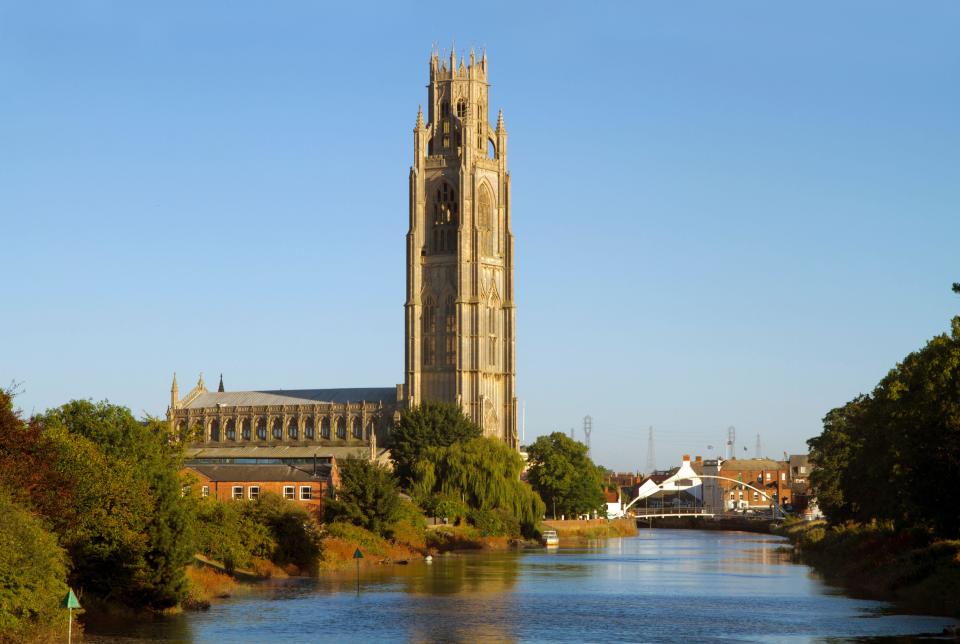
x,y
487,222
231,430
429,325
277,429
450,331
215,430
357,428
262,429
308,429
461,109
325,428
293,430
492,335
341,429
245,429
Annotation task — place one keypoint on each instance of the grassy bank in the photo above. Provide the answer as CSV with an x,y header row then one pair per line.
x,y
909,568
737,524
573,529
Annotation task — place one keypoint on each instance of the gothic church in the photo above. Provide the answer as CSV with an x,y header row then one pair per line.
x,y
459,311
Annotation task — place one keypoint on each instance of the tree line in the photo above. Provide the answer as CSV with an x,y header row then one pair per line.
x,y
893,454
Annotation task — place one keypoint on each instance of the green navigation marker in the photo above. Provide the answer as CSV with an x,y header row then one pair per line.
x,y
358,556
70,600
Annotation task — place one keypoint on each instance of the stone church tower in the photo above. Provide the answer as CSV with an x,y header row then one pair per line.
x,y
460,312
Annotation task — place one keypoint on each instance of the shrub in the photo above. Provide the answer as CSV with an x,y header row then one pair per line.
x,y
32,573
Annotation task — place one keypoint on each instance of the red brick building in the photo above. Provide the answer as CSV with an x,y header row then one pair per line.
x,y
307,486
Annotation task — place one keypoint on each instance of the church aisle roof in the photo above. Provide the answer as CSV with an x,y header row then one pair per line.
x,y
387,395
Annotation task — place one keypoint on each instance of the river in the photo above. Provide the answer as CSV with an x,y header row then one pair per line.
x,y
661,586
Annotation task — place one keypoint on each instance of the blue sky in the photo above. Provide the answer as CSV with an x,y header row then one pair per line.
x,y
725,213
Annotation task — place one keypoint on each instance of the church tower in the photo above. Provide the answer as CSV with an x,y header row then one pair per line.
x,y
460,312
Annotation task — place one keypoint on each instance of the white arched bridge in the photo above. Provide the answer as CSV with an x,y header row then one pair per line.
x,y
684,479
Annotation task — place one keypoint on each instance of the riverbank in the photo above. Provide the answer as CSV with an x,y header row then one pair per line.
x,y
735,524
578,530
908,568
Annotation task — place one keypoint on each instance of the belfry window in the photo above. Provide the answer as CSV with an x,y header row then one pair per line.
x,y
461,109
443,237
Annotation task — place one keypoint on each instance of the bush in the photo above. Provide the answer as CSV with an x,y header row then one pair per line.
x,y
367,496
487,522
32,574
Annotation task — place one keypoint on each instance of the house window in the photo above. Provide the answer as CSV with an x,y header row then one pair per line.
x,y
288,492
205,490
803,469
254,492
237,492
306,492
768,476
783,476
731,494
756,497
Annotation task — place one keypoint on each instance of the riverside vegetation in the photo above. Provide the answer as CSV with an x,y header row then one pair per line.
x,y
886,474
94,499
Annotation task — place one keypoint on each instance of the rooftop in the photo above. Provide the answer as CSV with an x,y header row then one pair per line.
x,y
259,472
293,397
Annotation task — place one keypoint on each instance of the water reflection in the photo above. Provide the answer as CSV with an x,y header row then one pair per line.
x,y
663,585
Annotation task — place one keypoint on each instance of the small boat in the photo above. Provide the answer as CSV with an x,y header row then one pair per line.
x,y
550,538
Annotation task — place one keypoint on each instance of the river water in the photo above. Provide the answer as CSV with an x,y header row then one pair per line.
x,y
661,586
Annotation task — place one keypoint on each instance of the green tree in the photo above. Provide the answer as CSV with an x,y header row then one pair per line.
x,y
32,574
564,476
484,474
367,496
432,424
150,572
895,454
293,531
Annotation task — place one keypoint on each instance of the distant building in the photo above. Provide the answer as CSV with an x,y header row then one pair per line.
x,y
747,484
614,503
